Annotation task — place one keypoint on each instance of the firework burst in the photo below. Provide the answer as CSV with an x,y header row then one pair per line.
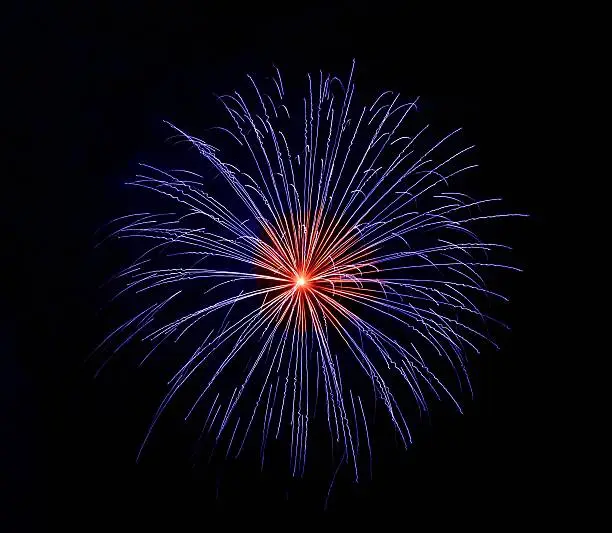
x,y
356,257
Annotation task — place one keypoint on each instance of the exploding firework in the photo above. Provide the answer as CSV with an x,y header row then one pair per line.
x,y
344,273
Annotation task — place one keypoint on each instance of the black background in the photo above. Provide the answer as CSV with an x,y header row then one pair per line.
x,y
91,86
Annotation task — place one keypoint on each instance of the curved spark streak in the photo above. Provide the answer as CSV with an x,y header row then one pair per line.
x,y
350,236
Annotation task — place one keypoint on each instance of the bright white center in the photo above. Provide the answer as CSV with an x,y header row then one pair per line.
x,y
301,281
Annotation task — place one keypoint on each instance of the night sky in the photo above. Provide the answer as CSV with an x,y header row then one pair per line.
x,y
91,87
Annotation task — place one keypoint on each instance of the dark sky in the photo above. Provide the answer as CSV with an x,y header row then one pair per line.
x,y
90,87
